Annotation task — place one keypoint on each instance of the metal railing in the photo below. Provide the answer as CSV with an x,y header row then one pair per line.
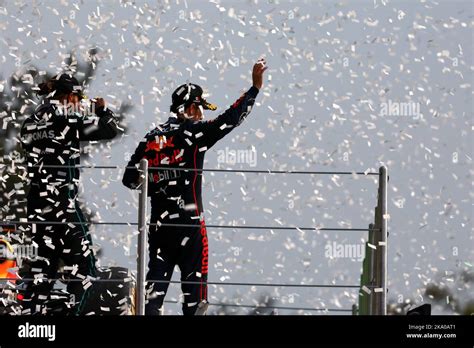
x,y
142,237
373,297
374,281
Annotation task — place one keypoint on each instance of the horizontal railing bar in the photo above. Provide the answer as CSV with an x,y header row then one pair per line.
x,y
256,171
270,307
188,225
126,280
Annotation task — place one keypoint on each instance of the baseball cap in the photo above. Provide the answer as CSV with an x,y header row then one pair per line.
x,y
187,94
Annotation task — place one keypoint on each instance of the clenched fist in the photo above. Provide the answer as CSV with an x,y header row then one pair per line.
x,y
257,73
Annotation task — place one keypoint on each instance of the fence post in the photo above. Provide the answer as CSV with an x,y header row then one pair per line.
x,y
381,222
142,238
355,309
366,301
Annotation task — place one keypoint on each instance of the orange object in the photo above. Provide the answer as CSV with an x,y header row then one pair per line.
x,y
5,262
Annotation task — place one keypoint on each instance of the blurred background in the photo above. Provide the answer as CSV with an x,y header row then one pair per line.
x,y
351,86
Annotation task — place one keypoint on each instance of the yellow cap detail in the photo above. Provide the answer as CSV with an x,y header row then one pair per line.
x,y
211,106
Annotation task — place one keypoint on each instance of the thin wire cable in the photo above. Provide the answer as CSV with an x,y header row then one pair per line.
x,y
257,284
270,307
249,227
127,280
256,171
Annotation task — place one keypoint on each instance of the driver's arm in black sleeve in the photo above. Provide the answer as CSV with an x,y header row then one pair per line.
x,y
207,133
103,126
132,174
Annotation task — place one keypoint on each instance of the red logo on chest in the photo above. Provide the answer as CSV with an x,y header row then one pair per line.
x,y
159,143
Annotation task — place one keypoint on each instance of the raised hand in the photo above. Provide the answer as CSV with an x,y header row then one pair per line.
x,y
257,73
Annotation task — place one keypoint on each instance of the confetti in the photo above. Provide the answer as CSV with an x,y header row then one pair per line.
x,y
331,70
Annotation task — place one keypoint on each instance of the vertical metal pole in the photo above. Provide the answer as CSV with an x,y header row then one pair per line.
x,y
382,244
372,269
355,310
367,277
142,238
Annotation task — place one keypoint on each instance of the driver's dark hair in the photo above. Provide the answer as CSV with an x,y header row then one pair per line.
x,y
48,87
45,87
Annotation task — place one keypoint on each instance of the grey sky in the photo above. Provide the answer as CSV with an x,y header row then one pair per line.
x,y
332,66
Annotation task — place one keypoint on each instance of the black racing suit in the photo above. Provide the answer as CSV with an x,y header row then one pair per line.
x,y
176,199
49,137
